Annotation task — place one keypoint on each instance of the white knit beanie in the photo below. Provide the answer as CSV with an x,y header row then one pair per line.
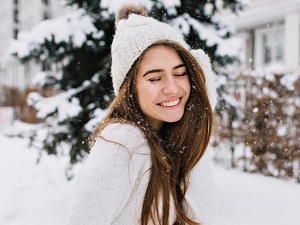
x,y
133,36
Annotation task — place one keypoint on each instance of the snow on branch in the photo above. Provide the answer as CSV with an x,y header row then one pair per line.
x,y
226,47
65,104
72,27
171,5
43,79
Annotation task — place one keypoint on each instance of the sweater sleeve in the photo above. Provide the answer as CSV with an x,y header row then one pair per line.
x,y
110,173
201,194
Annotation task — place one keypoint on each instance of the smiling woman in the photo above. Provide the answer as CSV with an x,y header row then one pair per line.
x,y
163,86
150,160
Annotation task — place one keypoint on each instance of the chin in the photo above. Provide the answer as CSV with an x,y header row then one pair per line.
x,y
173,120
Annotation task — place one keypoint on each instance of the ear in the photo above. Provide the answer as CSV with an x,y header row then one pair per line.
x,y
205,64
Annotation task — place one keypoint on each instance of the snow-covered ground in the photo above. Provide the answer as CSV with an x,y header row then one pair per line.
x,y
39,194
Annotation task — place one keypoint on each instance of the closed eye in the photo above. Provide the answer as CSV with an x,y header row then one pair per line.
x,y
155,79
180,74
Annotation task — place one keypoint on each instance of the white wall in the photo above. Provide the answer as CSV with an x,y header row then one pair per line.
x,y
6,24
262,14
292,41
7,77
31,12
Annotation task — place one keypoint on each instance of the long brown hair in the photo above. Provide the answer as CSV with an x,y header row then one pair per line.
x,y
176,149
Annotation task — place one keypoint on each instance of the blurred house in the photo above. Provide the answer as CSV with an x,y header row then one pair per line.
x,y
270,33
15,78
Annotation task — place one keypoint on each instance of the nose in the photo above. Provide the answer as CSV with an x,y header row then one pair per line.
x,y
170,86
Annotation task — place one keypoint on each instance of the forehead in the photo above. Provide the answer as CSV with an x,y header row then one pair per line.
x,y
160,56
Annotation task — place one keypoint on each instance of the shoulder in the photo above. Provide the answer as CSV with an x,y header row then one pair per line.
x,y
203,168
126,135
208,155
201,194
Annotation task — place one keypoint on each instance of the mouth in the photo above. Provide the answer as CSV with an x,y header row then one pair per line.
x,y
170,103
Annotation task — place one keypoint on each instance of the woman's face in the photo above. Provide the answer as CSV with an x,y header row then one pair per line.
x,y
163,86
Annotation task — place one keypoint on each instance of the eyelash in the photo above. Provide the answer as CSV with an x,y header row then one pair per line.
x,y
177,75
181,74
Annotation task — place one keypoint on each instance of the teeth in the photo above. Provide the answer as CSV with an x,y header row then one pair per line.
x,y
170,104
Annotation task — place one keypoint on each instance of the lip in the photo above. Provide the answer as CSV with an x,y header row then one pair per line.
x,y
171,100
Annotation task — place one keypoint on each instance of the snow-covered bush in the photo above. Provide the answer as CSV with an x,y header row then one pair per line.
x,y
266,135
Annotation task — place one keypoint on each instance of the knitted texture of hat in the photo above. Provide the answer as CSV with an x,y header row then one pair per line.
x,y
133,36
210,84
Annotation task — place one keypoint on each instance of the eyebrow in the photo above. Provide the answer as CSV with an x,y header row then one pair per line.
x,y
162,70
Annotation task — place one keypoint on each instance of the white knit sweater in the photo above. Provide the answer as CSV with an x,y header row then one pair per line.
x,y
115,178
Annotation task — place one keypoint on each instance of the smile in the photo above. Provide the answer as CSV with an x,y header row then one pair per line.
x,y
170,104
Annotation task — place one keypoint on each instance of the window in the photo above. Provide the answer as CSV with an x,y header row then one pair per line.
x,y
272,45
269,47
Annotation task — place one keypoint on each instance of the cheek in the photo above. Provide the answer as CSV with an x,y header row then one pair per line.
x,y
146,95
141,94
145,90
